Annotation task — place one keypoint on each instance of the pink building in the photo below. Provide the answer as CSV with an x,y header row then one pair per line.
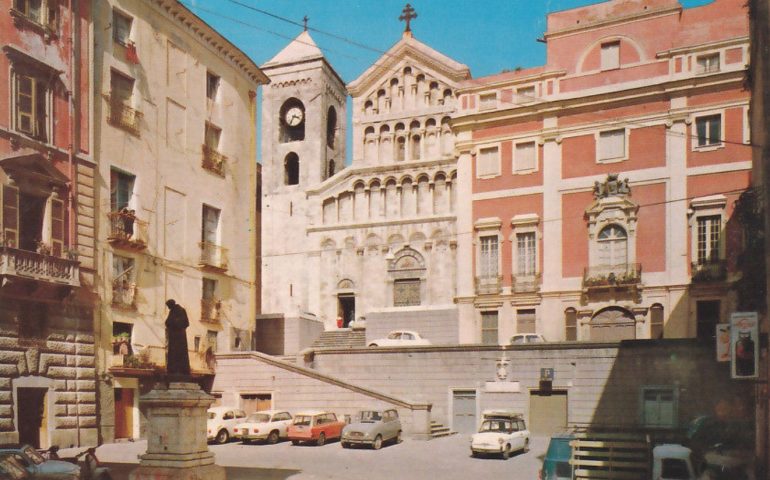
x,y
47,390
603,183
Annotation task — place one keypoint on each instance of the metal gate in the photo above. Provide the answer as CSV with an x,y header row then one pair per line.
x,y
547,413
464,411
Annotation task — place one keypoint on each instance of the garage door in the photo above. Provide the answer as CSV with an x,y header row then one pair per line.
x,y
547,413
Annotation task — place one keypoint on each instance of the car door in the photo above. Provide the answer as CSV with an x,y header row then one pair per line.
x,y
284,420
391,424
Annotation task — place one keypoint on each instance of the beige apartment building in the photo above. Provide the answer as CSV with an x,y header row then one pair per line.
x,y
174,122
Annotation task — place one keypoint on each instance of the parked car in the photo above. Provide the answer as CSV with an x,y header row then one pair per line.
x,y
400,338
672,462
372,427
270,425
556,464
502,432
38,467
520,338
315,426
10,468
221,423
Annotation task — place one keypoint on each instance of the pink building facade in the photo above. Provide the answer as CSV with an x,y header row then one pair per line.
x,y
603,183
47,393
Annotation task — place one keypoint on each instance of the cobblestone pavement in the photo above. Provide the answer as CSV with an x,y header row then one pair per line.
x,y
445,458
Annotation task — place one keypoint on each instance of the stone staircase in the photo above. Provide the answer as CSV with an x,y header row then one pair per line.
x,y
439,430
340,338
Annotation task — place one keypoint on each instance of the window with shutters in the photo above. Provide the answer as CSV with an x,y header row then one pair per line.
x,y
489,328
31,104
525,321
43,13
708,63
123,281
525,157
488,162
612,145
526,254
570,324
525,94
656,321
121,190
33,222
487,101
121,27
610,55
659,406
488,260
708,131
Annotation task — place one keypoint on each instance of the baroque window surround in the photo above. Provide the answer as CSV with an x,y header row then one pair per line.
x,y
408,264
613,209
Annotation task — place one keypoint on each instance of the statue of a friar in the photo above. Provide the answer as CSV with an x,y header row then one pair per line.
x,y
177,359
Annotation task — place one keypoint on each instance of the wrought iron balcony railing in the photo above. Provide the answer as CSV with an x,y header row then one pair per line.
x,y
489,285
710,271
210,309
123,116
213,256
526,283
213,161
39,266
127,231
123,294
601,276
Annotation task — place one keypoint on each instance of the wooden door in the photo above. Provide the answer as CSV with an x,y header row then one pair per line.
x,y
33,416
124,413
547,413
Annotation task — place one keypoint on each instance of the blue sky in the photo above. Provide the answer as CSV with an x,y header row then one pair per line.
x,y
487,35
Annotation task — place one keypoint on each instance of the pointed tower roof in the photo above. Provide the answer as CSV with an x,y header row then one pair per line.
x,y
301,49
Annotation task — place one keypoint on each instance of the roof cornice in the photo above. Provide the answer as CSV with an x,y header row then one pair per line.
x,y
509,81
613,21
221,45
704,46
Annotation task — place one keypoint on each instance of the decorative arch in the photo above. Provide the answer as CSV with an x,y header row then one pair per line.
x,y
624,40
395,239
407,277
328,244
291,169
346,284
292,120
613,324
417,238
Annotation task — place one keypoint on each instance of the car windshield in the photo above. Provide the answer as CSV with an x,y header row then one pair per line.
x,y
258,418
518,339
212,415
675,468
495,426
370,416
302,420
36,458
534,338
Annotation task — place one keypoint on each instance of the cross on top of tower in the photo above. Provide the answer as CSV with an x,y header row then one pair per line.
x,y
408,14
304,21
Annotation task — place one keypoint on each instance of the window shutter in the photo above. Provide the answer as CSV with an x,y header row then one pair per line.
x,y
57,227
10,215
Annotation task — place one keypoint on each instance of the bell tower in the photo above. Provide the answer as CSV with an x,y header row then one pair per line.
x,y
303,144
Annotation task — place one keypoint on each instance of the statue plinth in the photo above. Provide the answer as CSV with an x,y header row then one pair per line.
x,y
176,435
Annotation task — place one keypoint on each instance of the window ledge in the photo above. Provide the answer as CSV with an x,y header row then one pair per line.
x,y
525,172
487,177
611,160
20,19
708,148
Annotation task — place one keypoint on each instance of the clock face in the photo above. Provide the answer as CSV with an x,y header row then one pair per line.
x,y
294,116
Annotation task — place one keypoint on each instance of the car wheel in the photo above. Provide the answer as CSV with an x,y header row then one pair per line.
x,y
398,437
272,439
222,437
526,446
345,444
474,454
507,452
295,442
321,440
377,442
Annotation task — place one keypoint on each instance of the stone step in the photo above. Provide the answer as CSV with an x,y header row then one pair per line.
x,y
341,338
438,430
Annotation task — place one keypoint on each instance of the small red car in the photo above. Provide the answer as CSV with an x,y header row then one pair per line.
x,y
315,426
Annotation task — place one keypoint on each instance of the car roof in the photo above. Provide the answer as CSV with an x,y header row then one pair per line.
x,y
501,414
222,409
403,331
310,413
670,450
270,412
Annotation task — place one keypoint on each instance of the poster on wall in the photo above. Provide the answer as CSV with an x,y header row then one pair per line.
x,y
744,345
723,342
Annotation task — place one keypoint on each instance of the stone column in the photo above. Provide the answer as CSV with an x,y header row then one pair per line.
x,y
176,437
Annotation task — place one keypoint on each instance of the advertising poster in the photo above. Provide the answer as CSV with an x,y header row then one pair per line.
x,y
723,342
744,345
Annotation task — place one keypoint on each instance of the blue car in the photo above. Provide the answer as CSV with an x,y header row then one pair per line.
x,y
40,468
556,462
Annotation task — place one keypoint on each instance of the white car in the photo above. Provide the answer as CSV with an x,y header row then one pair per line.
x,y
221,423
520,338
502,432
270,425
400,338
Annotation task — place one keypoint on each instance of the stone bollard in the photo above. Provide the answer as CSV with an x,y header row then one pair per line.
x,y
176,435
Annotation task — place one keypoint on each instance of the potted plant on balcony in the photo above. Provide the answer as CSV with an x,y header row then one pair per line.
x,y
121,343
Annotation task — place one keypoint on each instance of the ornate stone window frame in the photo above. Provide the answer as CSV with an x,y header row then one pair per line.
x,y
525,223
611,210
418,272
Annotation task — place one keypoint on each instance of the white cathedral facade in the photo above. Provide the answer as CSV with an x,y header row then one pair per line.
x,y
375,243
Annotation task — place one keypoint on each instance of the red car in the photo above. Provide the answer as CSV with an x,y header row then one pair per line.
x,y
315,426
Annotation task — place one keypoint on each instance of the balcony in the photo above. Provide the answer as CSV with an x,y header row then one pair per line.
x,y
210,309
213,257
151,360
213,161
489,285
39,267
124,295
127,231
710,271
623,275
124,117
527,283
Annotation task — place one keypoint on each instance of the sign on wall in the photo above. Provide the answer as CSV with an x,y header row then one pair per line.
x,y
744,345
723,342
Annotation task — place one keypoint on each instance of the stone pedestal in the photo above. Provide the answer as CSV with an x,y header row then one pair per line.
x,y
176,435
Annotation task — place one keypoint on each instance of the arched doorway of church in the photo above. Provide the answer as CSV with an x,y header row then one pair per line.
x,y
613,324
